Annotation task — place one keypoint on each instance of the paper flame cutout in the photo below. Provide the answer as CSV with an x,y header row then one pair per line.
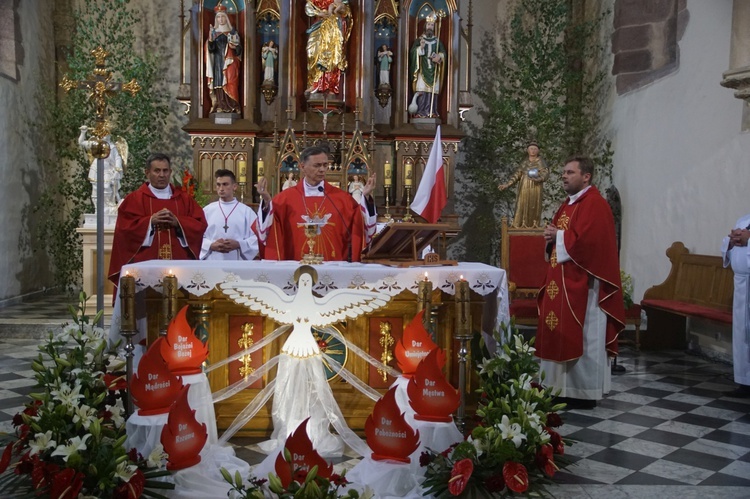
x,y
183,351
431,395
183,437
154,388
303,458
388,434
414,346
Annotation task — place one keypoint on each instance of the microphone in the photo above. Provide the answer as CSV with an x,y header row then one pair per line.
x,y
320,188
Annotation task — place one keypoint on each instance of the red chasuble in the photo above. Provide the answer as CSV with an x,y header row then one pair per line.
x,y
590,241
343,225
134,222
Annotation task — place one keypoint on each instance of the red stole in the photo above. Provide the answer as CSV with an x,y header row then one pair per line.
x,y
591,243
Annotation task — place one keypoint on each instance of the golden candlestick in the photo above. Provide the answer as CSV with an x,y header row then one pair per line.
x,y
170,305
387,215
407,216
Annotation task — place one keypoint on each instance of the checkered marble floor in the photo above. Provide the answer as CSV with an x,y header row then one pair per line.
x,y
667,429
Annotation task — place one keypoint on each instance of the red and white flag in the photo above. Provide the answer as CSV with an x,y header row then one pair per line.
x,y
431,196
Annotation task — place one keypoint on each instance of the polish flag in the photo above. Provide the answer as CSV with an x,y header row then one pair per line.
x,y
431,196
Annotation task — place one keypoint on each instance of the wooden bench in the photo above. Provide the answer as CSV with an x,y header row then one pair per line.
x,y
698,286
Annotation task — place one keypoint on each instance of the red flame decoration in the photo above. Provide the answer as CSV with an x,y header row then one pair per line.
x,y
414,346
154,388
183,351
183,437
388,434
430,394
303,456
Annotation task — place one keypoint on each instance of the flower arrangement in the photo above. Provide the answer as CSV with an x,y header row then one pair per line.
x,y
190,185
513,447
70,438
303,484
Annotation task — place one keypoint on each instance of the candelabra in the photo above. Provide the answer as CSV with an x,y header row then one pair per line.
x,y
387,215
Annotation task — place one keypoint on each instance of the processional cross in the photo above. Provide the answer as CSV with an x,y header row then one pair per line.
x,y
100,88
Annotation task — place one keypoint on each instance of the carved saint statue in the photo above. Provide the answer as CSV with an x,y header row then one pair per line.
x,y
356,187
223,53
326,44
385,58
113,168
426,64
270,54
530,176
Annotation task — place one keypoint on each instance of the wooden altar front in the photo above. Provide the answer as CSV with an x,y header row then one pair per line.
x,y
232,327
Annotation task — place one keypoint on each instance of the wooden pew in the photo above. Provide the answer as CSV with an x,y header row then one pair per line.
x,y
698,286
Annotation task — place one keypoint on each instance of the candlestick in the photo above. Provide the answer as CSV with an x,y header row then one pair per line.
x,y
243,170
387,172
261,168
169,303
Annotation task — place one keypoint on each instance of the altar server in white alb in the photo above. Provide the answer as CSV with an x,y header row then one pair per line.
x,y
736,253
231,224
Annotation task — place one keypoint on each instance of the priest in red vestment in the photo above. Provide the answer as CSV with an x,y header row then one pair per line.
x,y
581,307
156,221
340,219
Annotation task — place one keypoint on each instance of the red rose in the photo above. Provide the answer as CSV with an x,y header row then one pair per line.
x,y
460,475
494,483
516,476
425,458
554,420
66,484
556,440
536,385
25,465
132,489
545,461
338,480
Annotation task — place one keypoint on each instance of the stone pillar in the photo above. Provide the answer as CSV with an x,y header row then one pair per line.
x,y
738,74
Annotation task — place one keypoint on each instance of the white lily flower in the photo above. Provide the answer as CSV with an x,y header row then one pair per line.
x,y
510,431
484,366
41,442
525,381
156,457
115,363
477,445
74,445
68,395
117,412
84,414
125,471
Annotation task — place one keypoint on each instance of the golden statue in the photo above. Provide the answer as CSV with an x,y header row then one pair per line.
x,y
326,57
530,176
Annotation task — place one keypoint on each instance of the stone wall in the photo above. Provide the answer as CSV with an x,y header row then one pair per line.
x,y
646,39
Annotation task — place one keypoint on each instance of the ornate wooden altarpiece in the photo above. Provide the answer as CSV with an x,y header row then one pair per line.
x,y
365,121
371,121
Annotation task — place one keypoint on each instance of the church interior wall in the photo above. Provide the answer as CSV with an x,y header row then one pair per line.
x,y
680,154
24,271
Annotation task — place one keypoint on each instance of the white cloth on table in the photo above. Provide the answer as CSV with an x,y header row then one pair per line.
x,y
739,259
204,480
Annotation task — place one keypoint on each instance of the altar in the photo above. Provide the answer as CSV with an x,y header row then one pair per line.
x,y
231,328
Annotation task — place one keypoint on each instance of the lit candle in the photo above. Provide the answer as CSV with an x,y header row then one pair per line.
x,y
261,168
463,307
127,302
387,174
408,172
424,296
169,294
243,170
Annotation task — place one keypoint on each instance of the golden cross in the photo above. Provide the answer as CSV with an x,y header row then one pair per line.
x,y
100,87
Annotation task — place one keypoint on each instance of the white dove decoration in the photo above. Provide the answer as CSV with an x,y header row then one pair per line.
x,y
303,310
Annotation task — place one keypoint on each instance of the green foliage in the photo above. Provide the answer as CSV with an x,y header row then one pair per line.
x,y
541,81
139,120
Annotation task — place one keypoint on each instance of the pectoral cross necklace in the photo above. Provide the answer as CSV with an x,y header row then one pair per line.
x,y
226,217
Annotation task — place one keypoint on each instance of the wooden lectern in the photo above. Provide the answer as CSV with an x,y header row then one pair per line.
x,y
400,244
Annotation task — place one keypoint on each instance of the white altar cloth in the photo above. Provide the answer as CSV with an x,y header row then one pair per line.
x,y
199,277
